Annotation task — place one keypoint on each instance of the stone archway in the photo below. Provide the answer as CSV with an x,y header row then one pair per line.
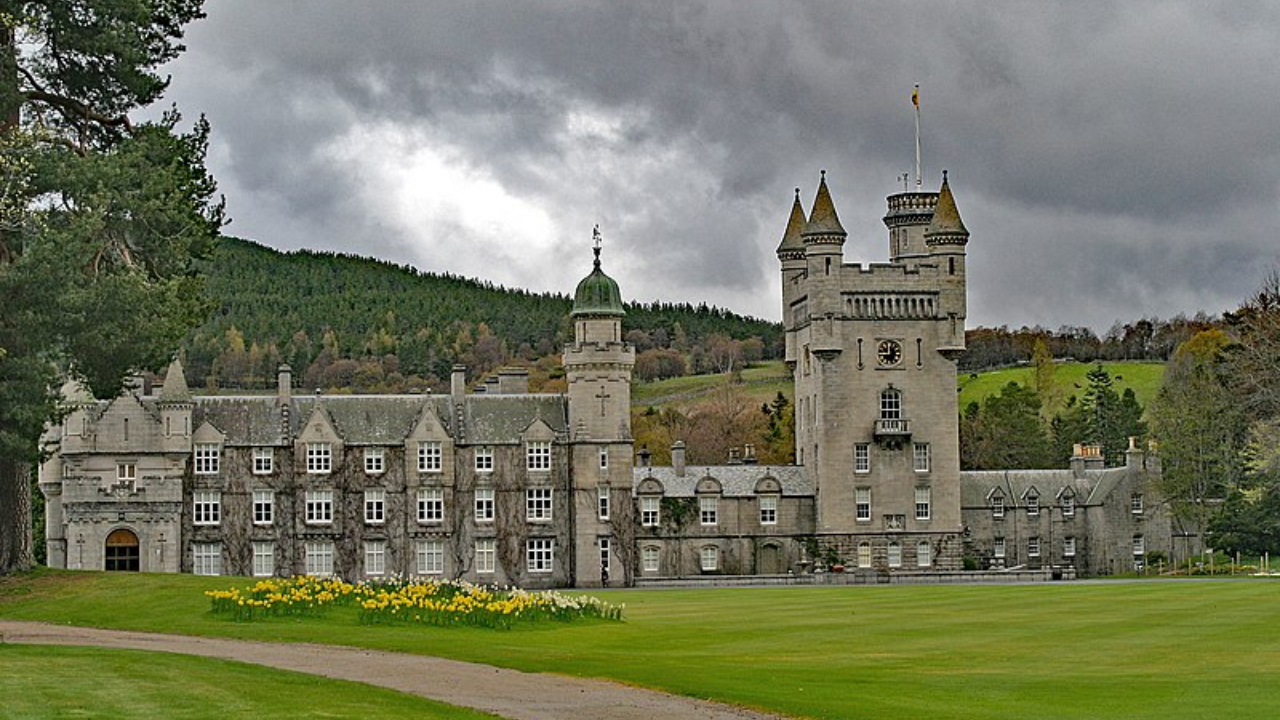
x,y
770,560
122,552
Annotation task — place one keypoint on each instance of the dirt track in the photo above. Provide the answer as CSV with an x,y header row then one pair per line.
x,y
509,693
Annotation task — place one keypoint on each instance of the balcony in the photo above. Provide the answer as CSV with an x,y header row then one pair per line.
x,y
892,432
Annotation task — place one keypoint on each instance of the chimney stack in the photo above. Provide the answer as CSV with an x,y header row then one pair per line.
x,y
458,383
677,458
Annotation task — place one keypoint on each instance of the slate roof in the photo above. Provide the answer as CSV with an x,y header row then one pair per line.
x,y
499,419
735,480
1090,488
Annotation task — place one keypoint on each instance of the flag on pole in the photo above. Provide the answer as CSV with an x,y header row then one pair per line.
x,y
915,96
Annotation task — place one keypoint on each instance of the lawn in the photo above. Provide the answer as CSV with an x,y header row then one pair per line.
x,y
1080,650
39,682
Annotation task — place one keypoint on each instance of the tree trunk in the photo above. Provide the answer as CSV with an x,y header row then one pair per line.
x,y
10,101
15,516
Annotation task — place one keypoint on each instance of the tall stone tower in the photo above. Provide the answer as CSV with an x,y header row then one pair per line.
x,y
598,366
872,351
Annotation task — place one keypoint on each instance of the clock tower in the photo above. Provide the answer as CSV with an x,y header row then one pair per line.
x,y
873,354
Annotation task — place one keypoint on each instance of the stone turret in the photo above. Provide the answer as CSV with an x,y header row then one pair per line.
x,y
946,238
791,255
175,404
823,238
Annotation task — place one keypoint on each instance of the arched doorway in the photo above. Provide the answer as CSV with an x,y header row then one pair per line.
x,y
122,551
770,560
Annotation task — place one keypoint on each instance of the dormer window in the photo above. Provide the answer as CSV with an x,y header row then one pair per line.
x,y
1033,503
997,506
319,458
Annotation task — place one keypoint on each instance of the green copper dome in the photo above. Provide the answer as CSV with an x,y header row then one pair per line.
x,y
597,294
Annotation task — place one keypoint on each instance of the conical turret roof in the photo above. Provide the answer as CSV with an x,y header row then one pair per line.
x,y
597,294
175,388
791,243
823,219
946,218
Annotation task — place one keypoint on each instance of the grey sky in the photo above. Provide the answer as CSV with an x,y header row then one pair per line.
x,y
1111,159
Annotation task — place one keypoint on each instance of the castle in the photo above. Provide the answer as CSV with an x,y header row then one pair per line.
x,y
498,485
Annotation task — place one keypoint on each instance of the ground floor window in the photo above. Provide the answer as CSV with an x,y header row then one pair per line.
x,y
540,555
709,558
924,554
895,554
122,553
264,559
320,558
649,559
485,556
375,557
206,558
864,555
1068,547
430,557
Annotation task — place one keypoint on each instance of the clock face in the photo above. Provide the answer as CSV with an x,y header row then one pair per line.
x,y
889,352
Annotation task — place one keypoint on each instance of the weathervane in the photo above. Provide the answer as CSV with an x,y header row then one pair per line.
x,y
595,235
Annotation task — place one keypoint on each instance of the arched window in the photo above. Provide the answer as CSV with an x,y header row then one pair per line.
x,y
924,554
895,554
122,552
864,555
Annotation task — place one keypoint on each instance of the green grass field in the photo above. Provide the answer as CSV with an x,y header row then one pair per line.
x,y
1143,377
38,682
1168,649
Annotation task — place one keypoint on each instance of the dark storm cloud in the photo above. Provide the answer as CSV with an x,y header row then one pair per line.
x,y
1111,159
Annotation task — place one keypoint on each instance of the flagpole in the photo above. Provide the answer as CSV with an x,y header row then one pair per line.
x,y
915,100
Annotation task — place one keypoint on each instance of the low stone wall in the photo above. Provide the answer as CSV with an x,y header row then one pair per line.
x,y
864,577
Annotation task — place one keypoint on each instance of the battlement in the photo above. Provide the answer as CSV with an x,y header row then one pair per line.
x,y
910,208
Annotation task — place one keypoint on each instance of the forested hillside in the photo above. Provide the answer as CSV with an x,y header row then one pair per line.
x,y
345,322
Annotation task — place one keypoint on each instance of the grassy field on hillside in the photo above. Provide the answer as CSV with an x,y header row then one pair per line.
x,y
764,381
1062,650
38,682
1143,377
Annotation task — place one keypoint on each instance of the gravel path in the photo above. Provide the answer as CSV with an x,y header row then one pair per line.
x,y
509,693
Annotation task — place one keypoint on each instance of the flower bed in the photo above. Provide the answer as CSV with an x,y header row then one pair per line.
x,y
430,602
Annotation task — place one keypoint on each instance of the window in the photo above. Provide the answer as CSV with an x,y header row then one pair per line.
x,y
486,555
649,559
319,458
768,509
484,460
264,461
207,456
998,548
1033,503
923,497
864,555
320,557
604,458
709,558
649,511
1068,506
602,502
206,558
319,507
997,506
431,557
707,509
1033,547
484,504
890,405
375,557
537,504
895,554
1068,546
924,554
540,555
264,559
207,507
429,456
375,506
604,557
862,458
538,455
375,462
264,507
430,505
862,504
126,472
1135,503
1139,545
920,457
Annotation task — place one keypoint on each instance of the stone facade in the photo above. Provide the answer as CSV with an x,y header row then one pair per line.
x,y
495,484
